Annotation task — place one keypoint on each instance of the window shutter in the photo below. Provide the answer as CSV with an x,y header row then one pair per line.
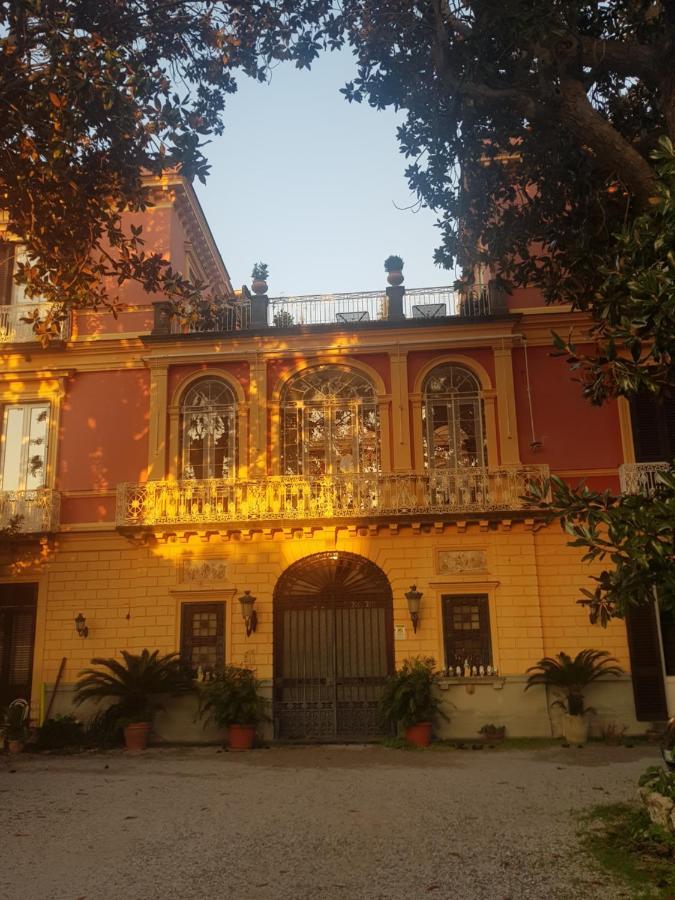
x,y
17,638
6,272
653,421
646,665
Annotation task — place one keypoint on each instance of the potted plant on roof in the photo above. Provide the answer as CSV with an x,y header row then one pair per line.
x,y
571,677
232,700
393,265
409,700
135,685
14,725
259,275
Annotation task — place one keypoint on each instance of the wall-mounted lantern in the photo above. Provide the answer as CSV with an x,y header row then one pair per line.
x,y
81,625
414,598
247,601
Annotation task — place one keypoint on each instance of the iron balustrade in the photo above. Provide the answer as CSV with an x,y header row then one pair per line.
x,y
215,317
640,478
15,331
296,497
372,306
37,511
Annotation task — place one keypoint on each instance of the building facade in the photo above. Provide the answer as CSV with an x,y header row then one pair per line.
x,y
349,467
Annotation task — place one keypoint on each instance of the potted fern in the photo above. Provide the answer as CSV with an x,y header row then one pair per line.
x,y
135,686
409,700
232,700
571,677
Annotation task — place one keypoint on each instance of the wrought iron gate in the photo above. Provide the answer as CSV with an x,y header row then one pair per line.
x,y
332,648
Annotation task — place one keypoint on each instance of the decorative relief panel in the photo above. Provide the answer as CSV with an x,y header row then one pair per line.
x,y
200,570
461,562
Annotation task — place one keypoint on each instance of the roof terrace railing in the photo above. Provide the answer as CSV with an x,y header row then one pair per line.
x,y
394,304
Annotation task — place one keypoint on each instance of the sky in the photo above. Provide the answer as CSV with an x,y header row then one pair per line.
x,y
309,184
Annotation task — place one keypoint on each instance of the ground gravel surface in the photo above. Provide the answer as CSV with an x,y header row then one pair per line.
x,y
301,823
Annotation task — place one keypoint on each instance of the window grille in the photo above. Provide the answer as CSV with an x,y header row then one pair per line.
x,y
208,431
329,423
466,631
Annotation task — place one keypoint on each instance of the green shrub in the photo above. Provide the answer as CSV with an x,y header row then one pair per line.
x,y
60,733
657,779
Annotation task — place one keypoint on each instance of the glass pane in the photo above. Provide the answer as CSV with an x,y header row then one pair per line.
x,y
37,447
12,449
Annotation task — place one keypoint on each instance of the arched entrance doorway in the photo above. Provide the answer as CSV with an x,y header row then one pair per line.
x,y
333,647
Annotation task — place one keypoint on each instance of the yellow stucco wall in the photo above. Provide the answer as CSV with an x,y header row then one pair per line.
x,y
131,594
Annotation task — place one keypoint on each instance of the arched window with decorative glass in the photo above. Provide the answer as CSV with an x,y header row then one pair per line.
x,y
453,419
208,430
329,423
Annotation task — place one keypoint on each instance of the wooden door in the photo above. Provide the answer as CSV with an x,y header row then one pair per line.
x,y
18,605
646,664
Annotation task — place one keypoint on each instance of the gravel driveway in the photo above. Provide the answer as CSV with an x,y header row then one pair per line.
x,y
300,823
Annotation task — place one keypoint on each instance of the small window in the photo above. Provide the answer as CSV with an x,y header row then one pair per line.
x,y
466,631
203,637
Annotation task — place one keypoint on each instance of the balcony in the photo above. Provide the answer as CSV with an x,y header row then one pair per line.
x,y
14,331
293,498
37,511
640,478
395,304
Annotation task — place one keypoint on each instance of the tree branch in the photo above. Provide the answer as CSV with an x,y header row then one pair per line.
x,y
614,153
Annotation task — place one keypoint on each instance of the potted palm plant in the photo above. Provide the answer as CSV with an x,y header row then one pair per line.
x,y
232,700
260,275
135,685
14,725
393,266
571,677
409,700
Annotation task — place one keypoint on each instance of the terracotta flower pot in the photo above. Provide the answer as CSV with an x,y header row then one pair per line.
x,y
240,737
259,286
15,746
136,735
395,277
419,735
575,729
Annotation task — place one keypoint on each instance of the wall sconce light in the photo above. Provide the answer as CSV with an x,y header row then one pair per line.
x,y
414,597
247,601
81,625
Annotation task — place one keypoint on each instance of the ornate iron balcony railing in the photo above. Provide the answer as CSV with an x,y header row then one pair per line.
x,y
329,497
640,478
13,330
36,511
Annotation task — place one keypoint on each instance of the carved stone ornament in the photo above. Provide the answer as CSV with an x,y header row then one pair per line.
x,y
461,562
193,570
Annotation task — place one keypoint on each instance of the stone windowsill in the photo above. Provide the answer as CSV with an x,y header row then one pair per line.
x,y
496,681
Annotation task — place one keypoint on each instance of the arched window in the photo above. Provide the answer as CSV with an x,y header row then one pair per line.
x,y
453,426
329,423
208,428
